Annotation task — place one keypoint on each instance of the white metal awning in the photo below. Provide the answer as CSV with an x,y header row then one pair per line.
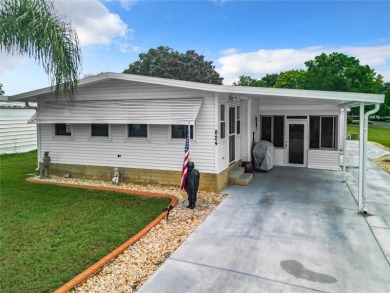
x,y
162,111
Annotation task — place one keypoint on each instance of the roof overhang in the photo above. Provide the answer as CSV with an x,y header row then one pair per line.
x,y
267,95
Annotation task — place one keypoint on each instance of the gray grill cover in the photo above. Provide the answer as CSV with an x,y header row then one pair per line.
x,y
263,154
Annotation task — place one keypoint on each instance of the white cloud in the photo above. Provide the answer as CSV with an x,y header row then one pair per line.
x,y
128,48
257,64
94,23
10,62
219,2
229,51
126,4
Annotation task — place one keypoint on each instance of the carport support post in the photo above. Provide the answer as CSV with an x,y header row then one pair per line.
x,y
361,157
345,144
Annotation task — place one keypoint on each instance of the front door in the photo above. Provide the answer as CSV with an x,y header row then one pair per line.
x,y
296,143
232,134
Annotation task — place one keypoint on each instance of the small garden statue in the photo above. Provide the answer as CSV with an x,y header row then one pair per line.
x,y
45,167
192,184
115,179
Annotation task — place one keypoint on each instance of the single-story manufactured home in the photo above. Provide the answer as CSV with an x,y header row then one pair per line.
x,y
137,123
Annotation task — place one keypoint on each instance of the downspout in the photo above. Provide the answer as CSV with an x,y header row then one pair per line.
x,y
361,147
345,144
365,138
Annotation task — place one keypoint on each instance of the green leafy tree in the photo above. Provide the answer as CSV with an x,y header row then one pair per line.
x,y
270,79
384,109
338,72
33,28
292,79
266,81
1,89
245,80
168,63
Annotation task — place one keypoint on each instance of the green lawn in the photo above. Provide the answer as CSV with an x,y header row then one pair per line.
x,y
377,134
49,234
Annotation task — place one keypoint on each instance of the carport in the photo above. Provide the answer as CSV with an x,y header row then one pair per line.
x,y
298,107
291,230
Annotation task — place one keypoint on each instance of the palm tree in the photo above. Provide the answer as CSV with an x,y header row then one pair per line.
x,y
35,29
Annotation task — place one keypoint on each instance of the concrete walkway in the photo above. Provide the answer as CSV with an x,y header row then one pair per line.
x,y
378,192
290,230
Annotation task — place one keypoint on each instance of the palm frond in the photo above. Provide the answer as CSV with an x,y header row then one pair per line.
x,y
35,29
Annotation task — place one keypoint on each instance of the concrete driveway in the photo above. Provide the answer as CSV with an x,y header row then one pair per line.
x,y
290,230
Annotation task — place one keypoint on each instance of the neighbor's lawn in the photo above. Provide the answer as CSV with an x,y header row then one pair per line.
x,y
49,234
377,134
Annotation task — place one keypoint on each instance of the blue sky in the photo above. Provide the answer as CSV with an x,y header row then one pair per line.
x,y
240,37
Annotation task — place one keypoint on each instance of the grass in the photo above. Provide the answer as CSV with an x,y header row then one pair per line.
x,y
49,234
377,134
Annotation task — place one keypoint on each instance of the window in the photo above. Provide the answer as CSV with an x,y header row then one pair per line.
x,y
100,130
63,130
278,135
232,120
238,120
137,130
223,121
323,132
266,128
314,125
179,131
327,132
272,130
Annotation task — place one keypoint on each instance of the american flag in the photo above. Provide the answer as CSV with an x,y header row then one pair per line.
x,y
186,158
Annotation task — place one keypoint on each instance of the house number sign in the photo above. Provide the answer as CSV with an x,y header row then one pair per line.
x,y
216,137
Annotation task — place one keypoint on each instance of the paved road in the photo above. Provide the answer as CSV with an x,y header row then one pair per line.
x,y
291,230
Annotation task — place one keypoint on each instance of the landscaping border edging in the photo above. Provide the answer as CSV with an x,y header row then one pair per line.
x,y
109,257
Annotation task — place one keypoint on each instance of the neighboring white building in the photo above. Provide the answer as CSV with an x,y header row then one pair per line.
x,y
16,135
137,123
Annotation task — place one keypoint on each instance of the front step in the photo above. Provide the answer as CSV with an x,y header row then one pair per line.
x,y
238,177
236,172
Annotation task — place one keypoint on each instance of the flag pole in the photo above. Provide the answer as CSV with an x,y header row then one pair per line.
x,y
186,156
189,137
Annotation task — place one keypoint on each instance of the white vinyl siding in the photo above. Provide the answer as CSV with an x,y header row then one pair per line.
x,y
323,159
15,134
279,156
255,115
159,153
244,131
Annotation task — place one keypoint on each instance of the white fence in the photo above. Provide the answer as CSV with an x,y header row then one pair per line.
x,y
16,136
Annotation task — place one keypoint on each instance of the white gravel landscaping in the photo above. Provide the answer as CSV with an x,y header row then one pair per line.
x,y
129,271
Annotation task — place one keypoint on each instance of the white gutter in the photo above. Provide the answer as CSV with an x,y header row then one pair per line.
x,y
361,160
365,138
345,143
